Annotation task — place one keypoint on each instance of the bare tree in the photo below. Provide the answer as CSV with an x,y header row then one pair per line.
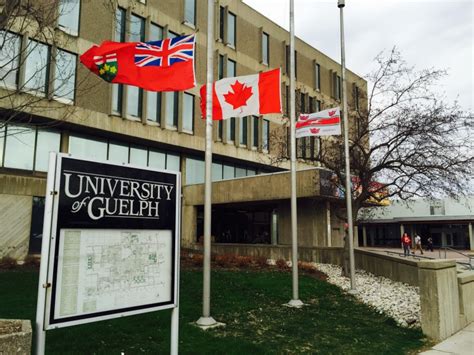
x,y
406,141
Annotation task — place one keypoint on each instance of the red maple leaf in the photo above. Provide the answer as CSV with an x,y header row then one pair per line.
x,y
239,96
331,113
314,130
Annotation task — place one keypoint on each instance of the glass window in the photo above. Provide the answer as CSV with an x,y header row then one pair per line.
x,y
172,34
190,11
255,131
154,106
19,147
318,105
231,23
216,171
87,148
220,67
221,22
156,32
229,171
36,66
120,16
69,16
231,129
317,76
303,103
134,101
118,153
265,48
231,72
172,162
194,171
117,91
188,112
266,134
171,108
137,29
311,104
251,172
243,131
9,58
65,75
240,172
46,142
138,156
220,129
157,159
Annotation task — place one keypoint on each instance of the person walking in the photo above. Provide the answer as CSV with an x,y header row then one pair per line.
x,y
430,244
418,244
406,242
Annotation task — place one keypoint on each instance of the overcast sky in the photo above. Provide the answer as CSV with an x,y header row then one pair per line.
x,y
429,33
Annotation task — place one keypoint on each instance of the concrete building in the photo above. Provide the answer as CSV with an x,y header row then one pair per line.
x,y
448,221
49,102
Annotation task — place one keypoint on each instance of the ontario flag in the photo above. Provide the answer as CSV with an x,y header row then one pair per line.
x,y
322,123
244,96
166,65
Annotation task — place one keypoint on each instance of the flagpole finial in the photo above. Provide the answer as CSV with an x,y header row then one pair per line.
x,y
341,3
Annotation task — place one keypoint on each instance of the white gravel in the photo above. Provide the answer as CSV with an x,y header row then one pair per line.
x,y
396,299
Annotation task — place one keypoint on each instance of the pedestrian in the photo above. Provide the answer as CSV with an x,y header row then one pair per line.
x,y
418,244
406,242
430,244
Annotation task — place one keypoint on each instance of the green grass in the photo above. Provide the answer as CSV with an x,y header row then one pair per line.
x,y
249,302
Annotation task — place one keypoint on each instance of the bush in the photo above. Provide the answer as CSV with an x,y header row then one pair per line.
x,y
261,261
242,261
7,263
281,264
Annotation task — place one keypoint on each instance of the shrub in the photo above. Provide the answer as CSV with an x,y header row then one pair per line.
x,y
242,261
7,263
281,264
261,261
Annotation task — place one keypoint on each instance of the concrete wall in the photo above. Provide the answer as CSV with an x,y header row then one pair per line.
x,y
466,296
15,222
391,267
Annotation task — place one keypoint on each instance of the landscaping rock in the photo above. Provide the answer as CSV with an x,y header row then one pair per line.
x,y
15,336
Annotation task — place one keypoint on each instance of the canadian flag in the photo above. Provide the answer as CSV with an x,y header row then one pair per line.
x,y
322,123
244,96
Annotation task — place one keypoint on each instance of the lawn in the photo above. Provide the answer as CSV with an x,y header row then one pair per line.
x,y
248,301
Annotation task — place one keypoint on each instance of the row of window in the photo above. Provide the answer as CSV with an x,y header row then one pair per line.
x,y
38,60
248,128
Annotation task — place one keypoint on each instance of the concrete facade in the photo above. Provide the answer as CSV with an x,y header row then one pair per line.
x,y
92,118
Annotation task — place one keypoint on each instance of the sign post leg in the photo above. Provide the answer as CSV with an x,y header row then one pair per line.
x,y
174,331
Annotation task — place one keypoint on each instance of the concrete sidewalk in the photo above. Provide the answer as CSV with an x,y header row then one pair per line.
x,y
461,343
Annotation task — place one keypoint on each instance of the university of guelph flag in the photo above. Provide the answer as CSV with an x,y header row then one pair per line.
x,y
244,96
166,65
322,123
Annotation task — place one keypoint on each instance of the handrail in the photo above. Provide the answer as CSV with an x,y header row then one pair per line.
x,y
454,250
412,255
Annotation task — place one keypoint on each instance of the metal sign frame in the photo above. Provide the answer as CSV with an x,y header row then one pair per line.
x,y
49,257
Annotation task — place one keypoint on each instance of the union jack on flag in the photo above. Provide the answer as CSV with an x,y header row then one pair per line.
x,y
166,52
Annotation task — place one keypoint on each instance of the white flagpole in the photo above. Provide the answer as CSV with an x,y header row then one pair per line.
x,y
295,301
206,320
341,4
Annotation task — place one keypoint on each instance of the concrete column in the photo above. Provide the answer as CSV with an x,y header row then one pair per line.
x,y
364,236
439,298
471,236
356,236
328,224
274,228
402,230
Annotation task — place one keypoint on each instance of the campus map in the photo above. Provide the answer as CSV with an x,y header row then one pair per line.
x,y
102,270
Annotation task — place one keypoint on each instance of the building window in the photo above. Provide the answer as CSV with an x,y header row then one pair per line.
x,y
188,112
221,22
356,97
318,106
172,34
68,20
229,171
288,61
220,129
46,142
231,29
117,89
172,162
154,98
134,94
303,102
9,58
36,67
118,153
87,148
231,68
311,104
266,134
317,77
216,171
255,131
287,100
230,129
157,159
138,156
265,48
171,102
220,67
190,11
194,171
28,149
65,75
240,172
243,131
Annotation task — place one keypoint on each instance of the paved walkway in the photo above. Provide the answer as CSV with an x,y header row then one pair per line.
x,y
461,343
436,254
